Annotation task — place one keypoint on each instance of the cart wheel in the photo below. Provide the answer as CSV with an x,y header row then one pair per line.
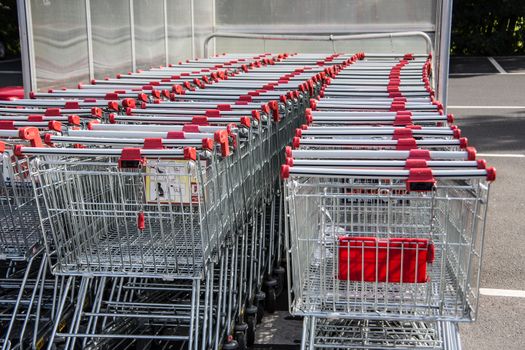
x,y
259,303
271,300
250,332
260,311
241,340
279,274
231,345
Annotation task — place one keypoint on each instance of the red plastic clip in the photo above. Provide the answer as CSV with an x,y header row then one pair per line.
x,y
420,180
71,105
141,221
200,120
153,143
130,158
32,135
213,113
178,135
221,137
402,133
53,112
406,144
274,106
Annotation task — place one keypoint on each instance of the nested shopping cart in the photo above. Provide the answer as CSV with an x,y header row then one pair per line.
x,y
324,333
379,242
28,291
147,215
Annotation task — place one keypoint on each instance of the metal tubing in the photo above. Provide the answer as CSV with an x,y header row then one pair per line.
x,y
318,37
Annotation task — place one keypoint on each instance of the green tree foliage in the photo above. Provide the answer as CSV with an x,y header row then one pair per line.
x,y
9,26
488,27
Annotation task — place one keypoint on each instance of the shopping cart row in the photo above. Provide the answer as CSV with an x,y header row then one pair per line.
x,y
155,223
386,206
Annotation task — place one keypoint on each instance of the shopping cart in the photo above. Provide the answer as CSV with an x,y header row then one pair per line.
x,y
322,333
28,292
386,218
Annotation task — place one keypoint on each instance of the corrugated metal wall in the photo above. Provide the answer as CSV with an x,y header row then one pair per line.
x,y
76,40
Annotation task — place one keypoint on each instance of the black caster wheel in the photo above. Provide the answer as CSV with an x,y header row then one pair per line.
x,y
279,276
250,332
231,345
260,311
240,336
241,341
271,300
259,297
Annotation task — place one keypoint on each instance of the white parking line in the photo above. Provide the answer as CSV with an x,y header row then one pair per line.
x,y
502,155
10,72
513,293
496,65
487,107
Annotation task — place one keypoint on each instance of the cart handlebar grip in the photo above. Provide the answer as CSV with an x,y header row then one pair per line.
x,y
418,179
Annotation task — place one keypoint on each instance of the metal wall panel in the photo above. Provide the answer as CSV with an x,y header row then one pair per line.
x,y
324,16
179,30
203,15
111,32
61,30
149,33
59,42
400,45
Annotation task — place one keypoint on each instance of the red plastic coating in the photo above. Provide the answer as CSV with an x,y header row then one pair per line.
x,y
191,128
130,158
113,105
420,180
491,174
141,221
55,126
153,143
213,113
53,112
415,163
402,133
406,144
221,137
394,260
7,125
71,105
296,142
201,120
178,135
482,164
419,154
285,171
471,153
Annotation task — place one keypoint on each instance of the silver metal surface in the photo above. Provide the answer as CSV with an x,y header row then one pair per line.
x,y
180,42
89,32
60,42
203,23
111,37
26,46
444,51
330,38
149,33
329,16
